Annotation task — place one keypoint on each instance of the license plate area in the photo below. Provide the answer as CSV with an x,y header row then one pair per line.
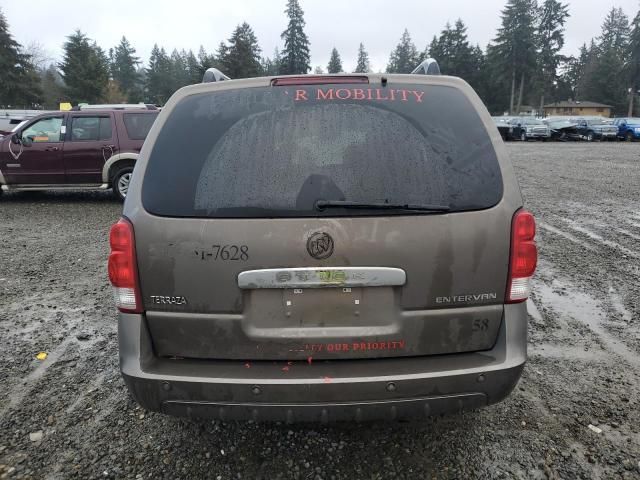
x,y
338,306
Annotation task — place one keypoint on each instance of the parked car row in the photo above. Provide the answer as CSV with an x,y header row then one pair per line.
x,y
568,128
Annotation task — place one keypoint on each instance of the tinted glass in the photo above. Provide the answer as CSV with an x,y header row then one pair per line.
x,y
90,128
138,124
275,151
44,130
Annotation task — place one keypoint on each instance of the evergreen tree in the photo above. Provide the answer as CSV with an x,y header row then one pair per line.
x,y
362,65
584,70
552,18
495,84
514,48
241,59
52,88
213,60
205,61
85,69
19,81
434,50
606,64
405,58
295,56
479,79
318,70
335,63
159,82
114,94
219,60
179,75
615,31
455,55
271,66
573,73
633,62
193,68
123,65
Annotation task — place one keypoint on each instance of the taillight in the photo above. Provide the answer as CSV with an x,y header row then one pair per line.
x,y
524,256
123,271
318,80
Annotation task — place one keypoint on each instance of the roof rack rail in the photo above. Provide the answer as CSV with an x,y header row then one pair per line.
x,y
214,75
116,106
427,67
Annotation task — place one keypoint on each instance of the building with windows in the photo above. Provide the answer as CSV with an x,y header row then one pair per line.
x,y
577,108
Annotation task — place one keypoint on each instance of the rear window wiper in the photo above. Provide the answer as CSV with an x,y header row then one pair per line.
x,y
323,204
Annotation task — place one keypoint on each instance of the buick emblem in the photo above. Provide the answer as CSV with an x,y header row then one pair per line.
x,y
320,245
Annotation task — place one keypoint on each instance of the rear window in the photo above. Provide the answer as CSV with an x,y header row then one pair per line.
x,y
276,151
138,124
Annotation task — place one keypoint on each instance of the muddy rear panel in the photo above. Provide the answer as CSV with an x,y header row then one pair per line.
x,y
238,260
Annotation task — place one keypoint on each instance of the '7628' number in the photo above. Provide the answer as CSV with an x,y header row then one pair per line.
x,y
225,253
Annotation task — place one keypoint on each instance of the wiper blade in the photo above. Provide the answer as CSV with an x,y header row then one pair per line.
x,y
323,204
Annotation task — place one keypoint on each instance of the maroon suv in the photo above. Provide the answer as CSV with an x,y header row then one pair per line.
x,y
84,149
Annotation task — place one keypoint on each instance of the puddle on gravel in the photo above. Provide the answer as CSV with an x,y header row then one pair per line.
x,y
584,309
618,305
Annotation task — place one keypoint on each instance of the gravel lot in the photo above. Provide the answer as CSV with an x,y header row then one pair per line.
x,y
70,415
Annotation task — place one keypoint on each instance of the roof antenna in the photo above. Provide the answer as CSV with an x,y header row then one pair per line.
x,y
427,67
214,75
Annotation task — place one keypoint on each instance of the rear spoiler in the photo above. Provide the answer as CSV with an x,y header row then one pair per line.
x,y
427,67
213,75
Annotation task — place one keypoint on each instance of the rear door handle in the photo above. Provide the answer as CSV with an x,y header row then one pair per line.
x,y
51,149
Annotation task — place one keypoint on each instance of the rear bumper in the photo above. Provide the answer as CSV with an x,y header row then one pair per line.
x,y
394,388
538,135
635,133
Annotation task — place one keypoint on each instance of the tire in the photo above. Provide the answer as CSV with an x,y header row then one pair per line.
x,y
120,182
523,136
629,136
590,137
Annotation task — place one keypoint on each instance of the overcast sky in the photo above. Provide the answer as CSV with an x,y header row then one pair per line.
x,y
341,23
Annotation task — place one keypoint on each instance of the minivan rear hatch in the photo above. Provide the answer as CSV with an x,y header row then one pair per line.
x,y
327,221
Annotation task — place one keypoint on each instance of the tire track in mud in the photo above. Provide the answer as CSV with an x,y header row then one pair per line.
x,y
612,292
567,236
588,239
574,225
586,310
21,390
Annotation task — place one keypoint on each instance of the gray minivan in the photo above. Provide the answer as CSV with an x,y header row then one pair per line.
x,y
322,248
